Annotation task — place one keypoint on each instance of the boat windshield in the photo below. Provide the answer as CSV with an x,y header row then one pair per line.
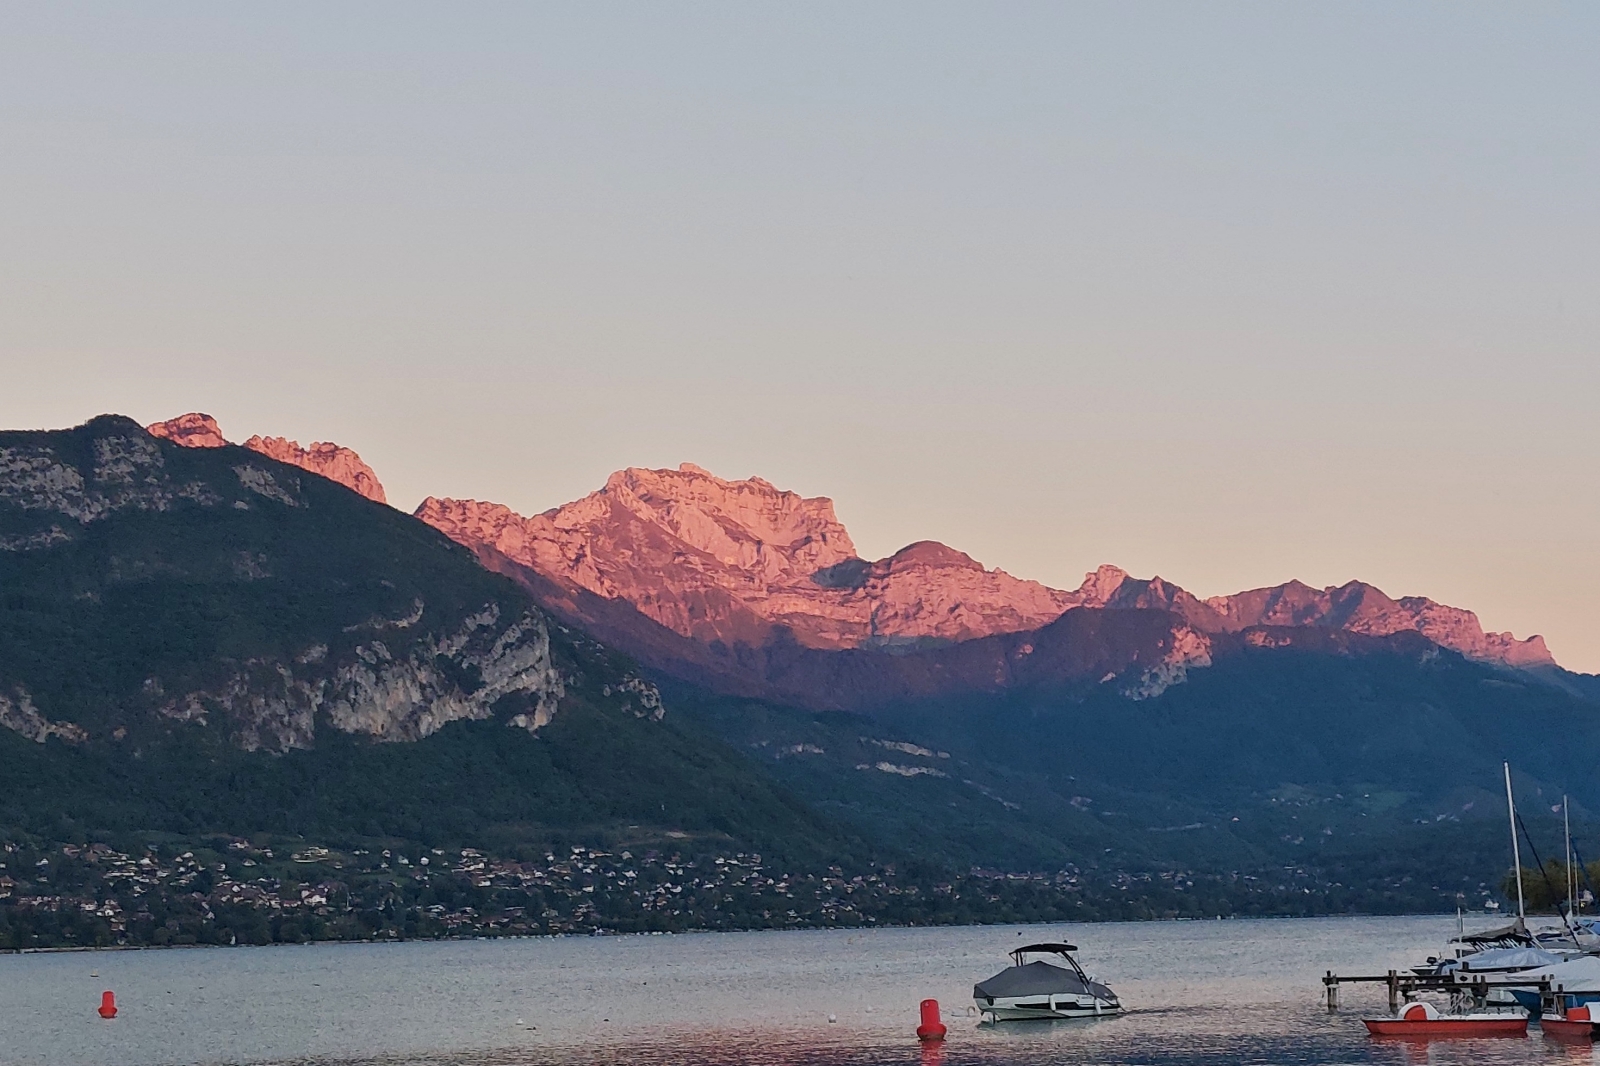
x,y
1064,950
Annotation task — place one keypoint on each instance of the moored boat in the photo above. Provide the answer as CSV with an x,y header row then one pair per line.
x,y
1423,1021
1578,981
1573,1025
1043,988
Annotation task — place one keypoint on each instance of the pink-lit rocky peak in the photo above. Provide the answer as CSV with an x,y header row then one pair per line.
x,y
329,460
192,430
738,561
732,560
196,430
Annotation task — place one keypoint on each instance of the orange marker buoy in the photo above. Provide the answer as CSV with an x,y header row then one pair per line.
x,y
932,1028
108,1005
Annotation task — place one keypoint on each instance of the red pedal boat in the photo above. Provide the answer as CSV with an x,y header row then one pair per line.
x,y
1575,1026
1422,1021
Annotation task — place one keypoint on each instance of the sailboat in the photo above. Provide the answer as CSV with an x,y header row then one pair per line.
x,y
1421,1020
1503,949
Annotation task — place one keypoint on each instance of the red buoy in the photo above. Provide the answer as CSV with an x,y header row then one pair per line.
x,y
108,1005
932,1028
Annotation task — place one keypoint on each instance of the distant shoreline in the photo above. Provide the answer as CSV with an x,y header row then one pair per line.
x,y
724,932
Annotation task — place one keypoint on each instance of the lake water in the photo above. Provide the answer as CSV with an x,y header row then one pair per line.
x,y
1234,992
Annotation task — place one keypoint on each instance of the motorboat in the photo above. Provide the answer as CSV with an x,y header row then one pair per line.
x,y
1044,988
1423,1021
1488,970
1505,960
1464,946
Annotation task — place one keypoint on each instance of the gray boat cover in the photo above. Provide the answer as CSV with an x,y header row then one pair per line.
x,y
1503,959
1037,979
1515,931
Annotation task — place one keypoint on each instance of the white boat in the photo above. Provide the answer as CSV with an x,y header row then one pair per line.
x,y
1490,942
1578,980
1505,960
1044,988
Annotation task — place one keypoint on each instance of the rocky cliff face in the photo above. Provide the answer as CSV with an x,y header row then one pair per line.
x,y
383,689
733,561
331,461
193,430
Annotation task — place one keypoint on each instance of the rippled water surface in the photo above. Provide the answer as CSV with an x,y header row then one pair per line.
x,y
1200,993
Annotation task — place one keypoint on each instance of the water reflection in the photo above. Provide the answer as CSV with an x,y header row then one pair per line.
x,y
1201,994
1102,1042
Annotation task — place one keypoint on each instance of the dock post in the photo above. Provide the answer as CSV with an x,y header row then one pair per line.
x,y
1333,991
1394,992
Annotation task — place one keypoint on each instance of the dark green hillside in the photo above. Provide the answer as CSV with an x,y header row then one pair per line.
x,y
1367,770
160,607
1404,720
593,775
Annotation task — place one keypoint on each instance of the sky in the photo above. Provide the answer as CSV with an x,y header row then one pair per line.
x,y
1228,293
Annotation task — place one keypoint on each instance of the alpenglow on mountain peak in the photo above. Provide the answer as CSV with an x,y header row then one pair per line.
x,y
736,561
744,562
196,430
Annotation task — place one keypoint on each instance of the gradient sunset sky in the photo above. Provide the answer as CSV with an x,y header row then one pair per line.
x,y
1229,293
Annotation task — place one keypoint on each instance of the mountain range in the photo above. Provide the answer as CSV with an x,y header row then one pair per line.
x,y
736,562
736,583
201,636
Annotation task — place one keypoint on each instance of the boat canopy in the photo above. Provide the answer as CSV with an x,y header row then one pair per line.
x,y
1516,932
1503,959
1038,979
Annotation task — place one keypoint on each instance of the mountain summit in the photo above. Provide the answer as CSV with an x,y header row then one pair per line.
x,y
733,561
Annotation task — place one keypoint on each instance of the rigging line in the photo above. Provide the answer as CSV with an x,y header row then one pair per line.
x,y
1551,885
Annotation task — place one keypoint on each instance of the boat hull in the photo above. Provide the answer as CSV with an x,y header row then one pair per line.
x,y
1576,1032
1031,1009
1446,1028
1533,1002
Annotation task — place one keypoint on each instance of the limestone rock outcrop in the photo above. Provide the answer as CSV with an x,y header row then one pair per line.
x,y
330,460
336,463
385,693
193,430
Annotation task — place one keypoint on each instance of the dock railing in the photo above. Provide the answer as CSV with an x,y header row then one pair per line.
x,y
1403,986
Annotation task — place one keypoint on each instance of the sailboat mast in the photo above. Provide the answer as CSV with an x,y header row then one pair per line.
x,y
1516,850
1572,885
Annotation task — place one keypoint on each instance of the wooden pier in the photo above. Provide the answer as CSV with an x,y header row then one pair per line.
x,y
1402,986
